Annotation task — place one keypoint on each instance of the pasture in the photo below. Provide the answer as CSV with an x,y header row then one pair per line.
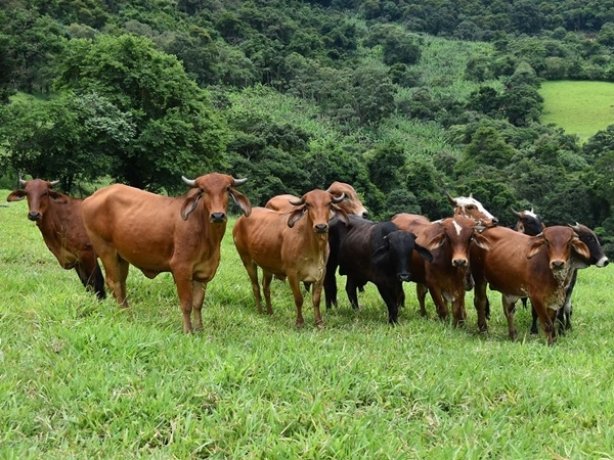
x,y
579,107
84,379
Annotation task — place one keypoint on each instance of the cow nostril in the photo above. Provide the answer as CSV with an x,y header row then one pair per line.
x,y
557,264
321,228
459,262
218,217
404,276
34,215
606,262
365,215
495,220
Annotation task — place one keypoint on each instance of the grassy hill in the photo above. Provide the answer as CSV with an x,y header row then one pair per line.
x,y
83,379
579,107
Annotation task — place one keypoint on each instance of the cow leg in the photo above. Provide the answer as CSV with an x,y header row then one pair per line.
x,y
252,272
267,277
316,294
298,299
547,317
350,289
390,295
479,302
509,308
90,274
116,270
442,308
421,291
185,290
198,297
534,318
458,309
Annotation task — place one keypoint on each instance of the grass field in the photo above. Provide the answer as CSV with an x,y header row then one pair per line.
x,y
82,379
579,107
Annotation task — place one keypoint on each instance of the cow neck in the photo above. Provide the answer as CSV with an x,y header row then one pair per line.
x,y
53,219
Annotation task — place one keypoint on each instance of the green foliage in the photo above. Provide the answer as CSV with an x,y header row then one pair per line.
x,y
176,130
66,137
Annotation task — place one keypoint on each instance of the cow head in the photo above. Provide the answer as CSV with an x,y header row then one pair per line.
x,y
393,252
457,233
213,190
473,209
588,237
559,243
528,223
351,204
38,192
319,207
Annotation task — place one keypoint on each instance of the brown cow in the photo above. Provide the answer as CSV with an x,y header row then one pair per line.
x,y
445,276
157,234
58,217
518,265
470,207
293,245
351,204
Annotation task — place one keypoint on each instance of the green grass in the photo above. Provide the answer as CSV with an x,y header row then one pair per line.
x,y
83,379
579,107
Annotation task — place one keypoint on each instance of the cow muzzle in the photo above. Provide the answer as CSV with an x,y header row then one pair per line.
x,y
320,228
603,262
557,265
460,263
404,276
34,216
218,217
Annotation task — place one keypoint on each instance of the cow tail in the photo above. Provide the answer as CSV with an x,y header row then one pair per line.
x,y
99,283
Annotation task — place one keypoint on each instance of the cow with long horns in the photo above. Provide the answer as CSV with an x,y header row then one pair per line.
x,y
156,233
58,217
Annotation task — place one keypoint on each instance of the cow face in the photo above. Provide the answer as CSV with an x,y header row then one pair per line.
x,y
395,251
588,237
559,242
528,223
38,192
351,204
459,233
473,209
318,206
213,190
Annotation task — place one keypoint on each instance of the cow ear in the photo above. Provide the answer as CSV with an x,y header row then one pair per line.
x,y
437,240
380,254
190,203
58,197
296,215
480,241
341,214
241,200
16,195
536,244
425,253
580,248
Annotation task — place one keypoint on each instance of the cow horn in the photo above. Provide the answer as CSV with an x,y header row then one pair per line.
x,y
519,214
21,181
190,182
297,203
452,200
53,182
339,199
576,227
237,182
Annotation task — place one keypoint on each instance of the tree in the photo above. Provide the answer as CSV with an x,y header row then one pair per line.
x,y
66,137
176,130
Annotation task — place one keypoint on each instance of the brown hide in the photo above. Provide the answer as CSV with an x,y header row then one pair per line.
x,y
351,203
58,217
444,276
292,245
518,265
156,234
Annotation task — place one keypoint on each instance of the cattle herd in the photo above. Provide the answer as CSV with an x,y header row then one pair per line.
x,y
306,240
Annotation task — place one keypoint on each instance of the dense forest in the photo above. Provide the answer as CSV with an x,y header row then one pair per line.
x,y
404,99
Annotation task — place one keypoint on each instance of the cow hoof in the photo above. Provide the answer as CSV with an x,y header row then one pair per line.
x,y
300,324
320,325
